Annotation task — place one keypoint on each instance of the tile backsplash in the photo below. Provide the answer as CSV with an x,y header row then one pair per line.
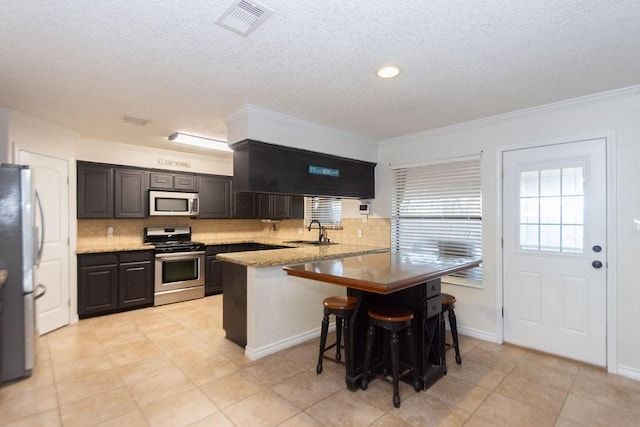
x,y
93,232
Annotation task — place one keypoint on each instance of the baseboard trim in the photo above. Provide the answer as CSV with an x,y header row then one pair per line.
x,y
629,372
481,335
260,352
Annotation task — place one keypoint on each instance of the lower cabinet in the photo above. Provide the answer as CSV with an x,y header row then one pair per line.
x,y
213,270
114,281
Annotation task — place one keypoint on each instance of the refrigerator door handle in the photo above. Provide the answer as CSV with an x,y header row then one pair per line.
x,y
43,290
41,243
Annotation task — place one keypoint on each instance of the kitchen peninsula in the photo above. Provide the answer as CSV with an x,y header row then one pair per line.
x,y
264,309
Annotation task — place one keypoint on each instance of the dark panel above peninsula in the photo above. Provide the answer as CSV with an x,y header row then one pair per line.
x,y
260,167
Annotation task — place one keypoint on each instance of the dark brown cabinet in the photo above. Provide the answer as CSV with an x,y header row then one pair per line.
x,y
131,187
135,279
97,284
244,205
105,191
95,191
274,206
172,181
213,270
215,196
110,282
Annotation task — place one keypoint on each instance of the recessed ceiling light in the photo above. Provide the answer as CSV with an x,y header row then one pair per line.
x,y
388,72
214,144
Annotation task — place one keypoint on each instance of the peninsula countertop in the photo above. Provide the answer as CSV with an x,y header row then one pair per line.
x,y
382,273
302,253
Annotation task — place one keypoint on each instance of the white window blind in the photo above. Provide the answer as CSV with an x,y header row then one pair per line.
x,y
327,210
437,209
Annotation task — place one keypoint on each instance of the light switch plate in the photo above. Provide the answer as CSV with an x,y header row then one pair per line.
x,y
636,225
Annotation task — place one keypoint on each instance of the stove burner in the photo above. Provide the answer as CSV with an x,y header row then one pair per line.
x,y
171,239
186,246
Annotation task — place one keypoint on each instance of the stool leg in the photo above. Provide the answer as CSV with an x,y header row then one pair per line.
x,y
454,334
412,358
347,346
338,337
323,340
395,368
371,332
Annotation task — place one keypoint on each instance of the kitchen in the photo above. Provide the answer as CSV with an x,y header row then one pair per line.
x,y
609,115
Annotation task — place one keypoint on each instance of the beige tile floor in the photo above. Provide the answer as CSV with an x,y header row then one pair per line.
x,y
172,366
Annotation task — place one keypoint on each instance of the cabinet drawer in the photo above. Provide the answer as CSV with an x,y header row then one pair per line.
x,y
433,288
136,256
433,306
87,260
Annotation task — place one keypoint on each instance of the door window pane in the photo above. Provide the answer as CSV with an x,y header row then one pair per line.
x,y
552,210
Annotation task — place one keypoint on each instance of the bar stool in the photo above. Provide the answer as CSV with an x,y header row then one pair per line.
x,y
342,307
448,305
392,319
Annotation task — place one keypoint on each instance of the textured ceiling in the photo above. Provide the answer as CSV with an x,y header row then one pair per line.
x,y
85,64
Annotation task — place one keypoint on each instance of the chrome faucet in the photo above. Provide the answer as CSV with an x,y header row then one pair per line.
x,y
319,229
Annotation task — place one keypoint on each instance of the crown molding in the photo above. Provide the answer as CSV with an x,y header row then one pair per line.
x,y
526,112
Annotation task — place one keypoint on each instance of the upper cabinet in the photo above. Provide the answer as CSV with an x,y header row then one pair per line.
x,y
275,206
215,196
95,191
131,187
173,181
105,191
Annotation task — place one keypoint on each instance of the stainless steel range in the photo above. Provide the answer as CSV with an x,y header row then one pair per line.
x,y
179,264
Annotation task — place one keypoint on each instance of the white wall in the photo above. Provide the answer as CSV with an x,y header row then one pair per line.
x,y
616,113
268,126
95,150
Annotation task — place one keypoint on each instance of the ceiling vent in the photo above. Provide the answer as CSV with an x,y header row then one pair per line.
x,y
244,16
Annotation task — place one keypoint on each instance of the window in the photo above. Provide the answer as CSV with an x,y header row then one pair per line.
x,y
327,210
437,209
552,210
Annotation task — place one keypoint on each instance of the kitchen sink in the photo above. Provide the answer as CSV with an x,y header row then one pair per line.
x,y
310,242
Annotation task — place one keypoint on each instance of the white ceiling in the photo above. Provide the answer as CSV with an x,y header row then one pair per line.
x,y
85,64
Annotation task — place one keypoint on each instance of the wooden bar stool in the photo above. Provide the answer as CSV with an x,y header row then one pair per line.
x,y
448,305
342,308
392,319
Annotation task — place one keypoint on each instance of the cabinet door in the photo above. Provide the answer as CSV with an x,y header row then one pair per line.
x,y
215,196
296,208
161,181
131,193
264,205
97,289
280,207
95,191
244,205
213,276
184,182
135,284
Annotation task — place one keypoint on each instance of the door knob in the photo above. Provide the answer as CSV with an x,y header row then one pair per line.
x,y
596,264
596,248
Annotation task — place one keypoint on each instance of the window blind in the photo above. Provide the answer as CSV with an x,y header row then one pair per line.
x,y
437,209
327,210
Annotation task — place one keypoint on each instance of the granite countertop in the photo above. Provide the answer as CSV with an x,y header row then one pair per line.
x,y
302,253
297,253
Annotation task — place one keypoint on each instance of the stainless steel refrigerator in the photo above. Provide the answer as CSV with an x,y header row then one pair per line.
x,y
19,257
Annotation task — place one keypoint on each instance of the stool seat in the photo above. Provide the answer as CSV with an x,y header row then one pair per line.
x,y
448,306
340,303
390,313
342,307
392,319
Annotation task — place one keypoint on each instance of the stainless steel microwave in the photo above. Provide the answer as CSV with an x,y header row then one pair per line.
x,y
170,203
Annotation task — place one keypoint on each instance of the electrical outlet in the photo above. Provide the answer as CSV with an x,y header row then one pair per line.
x,y
300,230
109,231
359,234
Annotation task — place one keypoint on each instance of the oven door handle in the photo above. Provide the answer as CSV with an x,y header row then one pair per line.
x,y
185,255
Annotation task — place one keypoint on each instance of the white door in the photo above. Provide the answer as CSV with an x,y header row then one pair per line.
x,y
50,178
555,249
